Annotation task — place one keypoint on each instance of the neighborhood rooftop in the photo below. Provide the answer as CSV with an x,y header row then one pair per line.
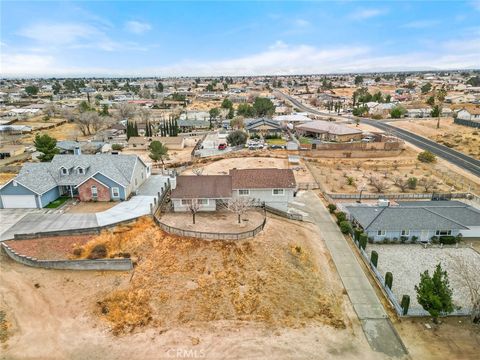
x,y
320,126
41,177
416,216
203,187
262,178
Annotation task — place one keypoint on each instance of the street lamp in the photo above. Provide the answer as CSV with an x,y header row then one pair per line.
x,y
361,188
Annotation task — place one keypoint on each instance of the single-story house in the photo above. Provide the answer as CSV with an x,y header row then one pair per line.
x,y
7,151
422,219
329,131
101,177
190,125
87,147
274,187
263,126
472,114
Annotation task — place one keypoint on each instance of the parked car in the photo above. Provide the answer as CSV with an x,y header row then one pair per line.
x,y
277,146
222,146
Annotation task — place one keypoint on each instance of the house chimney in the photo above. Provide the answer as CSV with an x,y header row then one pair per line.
x,y
77,150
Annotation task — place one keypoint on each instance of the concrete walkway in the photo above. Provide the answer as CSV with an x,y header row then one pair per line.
x,y
376,325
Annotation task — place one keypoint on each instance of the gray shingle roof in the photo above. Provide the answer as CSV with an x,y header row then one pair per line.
x,y
397,218
41,177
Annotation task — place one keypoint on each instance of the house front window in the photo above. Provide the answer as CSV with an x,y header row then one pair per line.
x,y
243,192
64,171
278,192
94,191
443,232
381,232
186,202
405,232
80,170
202,201
115,192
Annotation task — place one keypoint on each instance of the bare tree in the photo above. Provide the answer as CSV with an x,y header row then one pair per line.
x,y
379,184
400,182
86,122
239,206
427,183
68,114
126,111
145,114
466,273
197,170
50,109
358,165
194,207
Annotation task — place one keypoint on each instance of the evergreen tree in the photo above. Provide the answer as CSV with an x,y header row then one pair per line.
x,y
47,146
135,132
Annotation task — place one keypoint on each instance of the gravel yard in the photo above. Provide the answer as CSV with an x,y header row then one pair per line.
x,y
406,262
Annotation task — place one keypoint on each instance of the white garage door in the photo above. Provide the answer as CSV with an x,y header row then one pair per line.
x,y
19,201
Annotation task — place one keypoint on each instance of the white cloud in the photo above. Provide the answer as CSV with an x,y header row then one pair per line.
x,y
137,27
62,36
59,34
278,59
421,24
363,14
476,4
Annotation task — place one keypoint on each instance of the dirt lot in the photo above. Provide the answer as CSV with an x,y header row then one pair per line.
x,y
334,174
302,175
89,207
175,156
454,338
49,248
274,296
219,221
5,177
462,138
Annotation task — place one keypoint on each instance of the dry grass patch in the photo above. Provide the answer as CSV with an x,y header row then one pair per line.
x,y
275,279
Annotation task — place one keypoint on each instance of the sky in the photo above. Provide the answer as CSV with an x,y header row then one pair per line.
x,y
197,38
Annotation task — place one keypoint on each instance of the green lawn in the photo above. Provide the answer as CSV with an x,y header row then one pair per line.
x,y
56,203
276,141
305,140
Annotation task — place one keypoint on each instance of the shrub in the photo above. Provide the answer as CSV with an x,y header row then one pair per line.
x,y
405,304
374,258
357,232
345,227
370,240
117,147
332,208
434,239
403,239
341,216
98,252
389,280
363,241
386,240
414,238
412,183
78,251
448,240
426,156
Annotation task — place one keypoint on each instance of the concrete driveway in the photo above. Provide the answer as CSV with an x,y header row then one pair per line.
x,y
40,222
9,217
153,185
126,210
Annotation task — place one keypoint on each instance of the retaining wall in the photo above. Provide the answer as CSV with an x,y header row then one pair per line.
x,y
100,264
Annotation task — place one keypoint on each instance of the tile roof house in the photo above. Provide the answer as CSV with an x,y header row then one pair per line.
x,y
423,219
328,130
101,177
274,187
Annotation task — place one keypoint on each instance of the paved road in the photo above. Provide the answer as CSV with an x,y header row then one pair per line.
x,y
376,325
455,157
